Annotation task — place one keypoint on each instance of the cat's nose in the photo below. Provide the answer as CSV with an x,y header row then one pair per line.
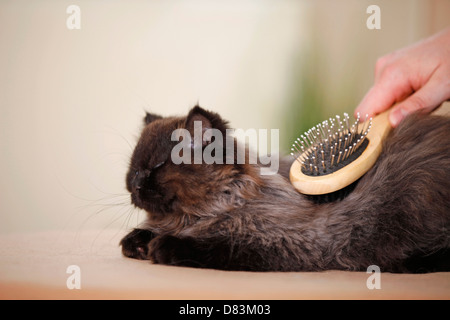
x,y
137,183
139,180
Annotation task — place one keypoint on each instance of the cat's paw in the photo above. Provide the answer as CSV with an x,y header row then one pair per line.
x,y
164,250
174,251
135,244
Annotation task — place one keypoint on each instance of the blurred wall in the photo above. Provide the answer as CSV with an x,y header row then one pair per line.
x,y
335,66
72,101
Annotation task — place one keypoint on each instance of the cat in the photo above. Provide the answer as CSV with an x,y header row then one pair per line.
x,y
230,217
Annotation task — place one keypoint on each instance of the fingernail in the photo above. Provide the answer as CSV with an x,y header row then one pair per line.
x,y
361,113
396,116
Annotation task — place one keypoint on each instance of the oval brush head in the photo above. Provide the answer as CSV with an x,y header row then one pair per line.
x,y
336,153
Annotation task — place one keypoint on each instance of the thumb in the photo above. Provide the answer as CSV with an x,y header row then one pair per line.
x,y
425,100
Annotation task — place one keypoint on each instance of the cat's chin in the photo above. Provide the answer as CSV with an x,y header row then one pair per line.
x,y
139,203
150,207
135,200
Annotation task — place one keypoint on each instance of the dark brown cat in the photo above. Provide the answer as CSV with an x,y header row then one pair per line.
x,y
229,216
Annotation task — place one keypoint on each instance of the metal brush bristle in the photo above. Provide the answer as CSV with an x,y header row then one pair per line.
x,y
331,145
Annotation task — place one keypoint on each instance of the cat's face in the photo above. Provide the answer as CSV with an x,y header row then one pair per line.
x,y
160,186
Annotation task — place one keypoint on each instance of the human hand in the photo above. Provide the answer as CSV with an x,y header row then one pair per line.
x,y
416,78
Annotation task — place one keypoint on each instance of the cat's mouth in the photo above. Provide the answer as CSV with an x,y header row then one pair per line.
x,y
136,200
143,201
153,202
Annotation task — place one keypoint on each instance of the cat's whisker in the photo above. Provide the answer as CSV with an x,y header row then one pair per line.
x,y
118,133
129,216
117,215
105,205
119,199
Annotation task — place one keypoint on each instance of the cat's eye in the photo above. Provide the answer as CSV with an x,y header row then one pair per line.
x,y
158,165
136,173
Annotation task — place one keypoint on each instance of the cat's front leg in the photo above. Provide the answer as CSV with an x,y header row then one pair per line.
x,y
186,252
207,253
135,244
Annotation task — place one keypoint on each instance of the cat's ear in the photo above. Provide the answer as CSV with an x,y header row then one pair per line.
x,y
150,117
208,119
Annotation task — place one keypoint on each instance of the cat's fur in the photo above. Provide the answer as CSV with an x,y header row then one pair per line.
x,y
228,216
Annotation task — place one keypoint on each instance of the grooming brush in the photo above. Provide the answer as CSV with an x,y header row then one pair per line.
x,y
335,153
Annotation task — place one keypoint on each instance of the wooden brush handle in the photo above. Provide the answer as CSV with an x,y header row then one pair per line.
x,y
316,185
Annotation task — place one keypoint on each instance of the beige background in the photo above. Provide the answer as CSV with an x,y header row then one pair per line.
x,y
71,101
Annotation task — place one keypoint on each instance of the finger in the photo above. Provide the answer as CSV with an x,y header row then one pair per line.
x,y
426,99
375,101
388,90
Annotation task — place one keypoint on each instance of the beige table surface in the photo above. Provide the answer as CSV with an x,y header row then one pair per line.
x,y
33,266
